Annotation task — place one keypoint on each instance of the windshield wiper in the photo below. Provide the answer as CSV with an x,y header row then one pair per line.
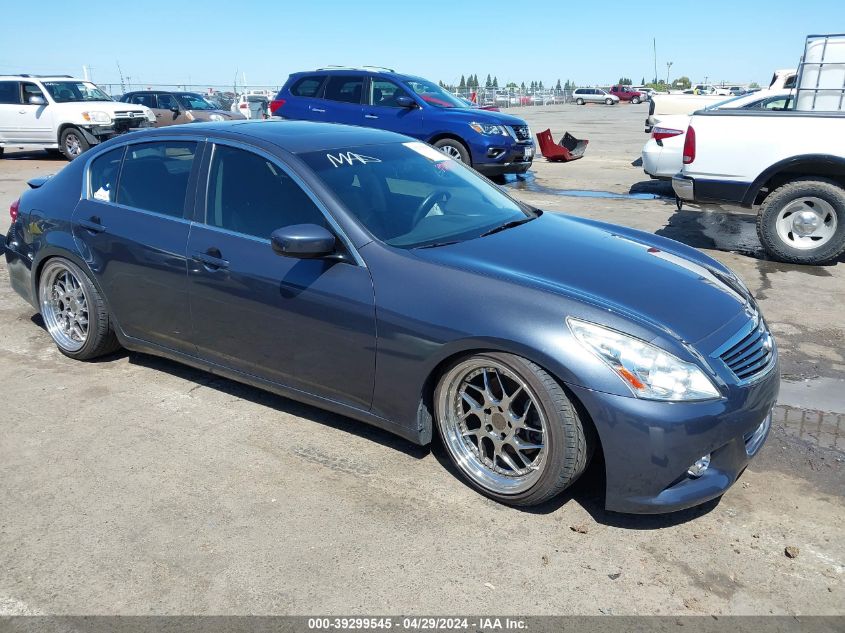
x,y
436,244
506,225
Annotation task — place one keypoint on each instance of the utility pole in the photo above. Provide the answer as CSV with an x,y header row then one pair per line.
x,y
654,41
120,72
668,66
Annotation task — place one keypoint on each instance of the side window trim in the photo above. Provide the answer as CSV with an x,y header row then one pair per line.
x,y
201,212
193,177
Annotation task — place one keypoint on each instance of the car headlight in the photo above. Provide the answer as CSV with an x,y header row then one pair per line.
x,y
650,372
489,129
97,116
216,117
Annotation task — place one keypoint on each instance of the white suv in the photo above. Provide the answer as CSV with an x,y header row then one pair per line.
x,y
62,114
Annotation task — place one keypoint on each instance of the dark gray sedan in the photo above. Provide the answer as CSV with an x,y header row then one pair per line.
x,y
367,273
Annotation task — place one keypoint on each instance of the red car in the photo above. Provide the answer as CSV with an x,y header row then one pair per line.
x,y
626,93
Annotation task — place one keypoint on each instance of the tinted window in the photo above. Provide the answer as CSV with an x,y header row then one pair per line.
x,y
103,175
31,90
148,100
307,86
384,93
155,176
249,194
9,92
346,89
167,102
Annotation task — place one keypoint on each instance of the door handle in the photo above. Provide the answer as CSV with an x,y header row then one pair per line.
x,y
211,262
317,110
93,225
370,116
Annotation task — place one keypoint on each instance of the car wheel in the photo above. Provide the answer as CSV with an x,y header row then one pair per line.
x,y
2,149
453,149
803,221
73,312
72,143
579,101
609,101
635,100
509,428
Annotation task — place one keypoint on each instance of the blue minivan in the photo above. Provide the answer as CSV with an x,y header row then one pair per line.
x,y
492,142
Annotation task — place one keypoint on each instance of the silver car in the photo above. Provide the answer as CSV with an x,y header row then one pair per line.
x,y
594,95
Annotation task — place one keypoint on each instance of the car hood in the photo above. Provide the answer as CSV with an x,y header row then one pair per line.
x,y
102,106
667,285
483,116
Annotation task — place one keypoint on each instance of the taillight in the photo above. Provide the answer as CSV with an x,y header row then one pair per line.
x,y
689,146
659,133
275,104
243,106
13,209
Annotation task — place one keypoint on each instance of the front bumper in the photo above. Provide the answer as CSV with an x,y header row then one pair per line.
x,y
648,446
495,160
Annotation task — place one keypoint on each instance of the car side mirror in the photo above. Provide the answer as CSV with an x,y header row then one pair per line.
x,y
37,100
175,110
405,101
303,241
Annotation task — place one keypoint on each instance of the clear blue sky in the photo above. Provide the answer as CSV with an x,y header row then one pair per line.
x,y
591,42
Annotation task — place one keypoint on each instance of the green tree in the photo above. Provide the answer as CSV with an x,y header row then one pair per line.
x,y
682,82
463,83
642,83
540,85
495,82
489,82
513,85
557,86
522,87
625,81
754,85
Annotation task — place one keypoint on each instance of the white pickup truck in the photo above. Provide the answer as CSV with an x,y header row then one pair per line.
x,y
792,163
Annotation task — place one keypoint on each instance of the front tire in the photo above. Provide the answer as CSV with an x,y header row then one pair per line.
x,y
609,101
635,100
72,143
454,149
803,221
509,428
579,102
73,312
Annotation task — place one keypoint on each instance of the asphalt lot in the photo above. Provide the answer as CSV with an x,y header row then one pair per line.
x,y
134,485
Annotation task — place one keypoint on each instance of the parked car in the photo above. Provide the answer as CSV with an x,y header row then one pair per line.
x,y
367,273
494,143
252,106
792,166
626,93
173,108
61,114
663,151
593,95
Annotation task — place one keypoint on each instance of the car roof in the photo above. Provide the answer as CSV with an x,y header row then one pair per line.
x,y
40,78
374,71
293,136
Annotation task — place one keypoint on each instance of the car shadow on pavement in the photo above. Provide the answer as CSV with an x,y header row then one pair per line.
x,y
32,155
279,403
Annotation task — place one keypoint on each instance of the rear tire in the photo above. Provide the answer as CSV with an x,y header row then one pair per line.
x,y
73,311
454,149
635,100
803,221
509,428
72,143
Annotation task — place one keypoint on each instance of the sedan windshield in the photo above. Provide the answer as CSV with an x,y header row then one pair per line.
x,y
194,101
72,91
434,95
410,195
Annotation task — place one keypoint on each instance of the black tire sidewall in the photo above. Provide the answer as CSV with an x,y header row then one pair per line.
x,y
828,191
560,443
579,102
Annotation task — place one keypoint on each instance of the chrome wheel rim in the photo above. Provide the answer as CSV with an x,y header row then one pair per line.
x,y
64,308
806,223
492,426
452,152
73,145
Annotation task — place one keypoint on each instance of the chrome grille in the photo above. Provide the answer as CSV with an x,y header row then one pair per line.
x,y
521,132
129,114
750,352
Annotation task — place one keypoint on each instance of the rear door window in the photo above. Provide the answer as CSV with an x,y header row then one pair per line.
x,y
344,88
250,194
10,92
307,86
155,176
103,175
144,100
